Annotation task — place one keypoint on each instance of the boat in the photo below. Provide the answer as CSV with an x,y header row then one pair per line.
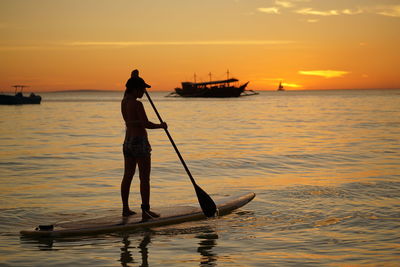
x,y
280,87
19,98
220,88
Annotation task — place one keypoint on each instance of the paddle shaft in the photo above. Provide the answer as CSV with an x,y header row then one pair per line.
x,y
171,140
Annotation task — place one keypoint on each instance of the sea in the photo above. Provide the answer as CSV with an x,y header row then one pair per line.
x,y
324,164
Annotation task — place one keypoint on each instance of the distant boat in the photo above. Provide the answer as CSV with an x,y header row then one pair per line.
x,y
19,98
280,87
222,88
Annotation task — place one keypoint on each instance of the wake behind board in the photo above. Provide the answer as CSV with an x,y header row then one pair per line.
x,y
117,223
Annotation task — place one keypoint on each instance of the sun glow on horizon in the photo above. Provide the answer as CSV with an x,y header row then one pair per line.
x,y
292,85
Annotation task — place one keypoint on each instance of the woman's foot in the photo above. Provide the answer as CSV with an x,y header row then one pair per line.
x,y
128,212
147,215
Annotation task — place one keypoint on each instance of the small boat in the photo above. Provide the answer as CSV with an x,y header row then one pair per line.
x,y
280,88
221,88
19,98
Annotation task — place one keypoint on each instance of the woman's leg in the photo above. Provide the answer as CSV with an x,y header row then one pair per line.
x,y
129,171
144,175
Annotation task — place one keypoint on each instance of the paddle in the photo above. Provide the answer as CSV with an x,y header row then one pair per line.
x,y
206,203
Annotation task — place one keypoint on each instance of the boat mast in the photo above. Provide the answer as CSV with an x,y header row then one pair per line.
x,y
210,76
21,87
227,76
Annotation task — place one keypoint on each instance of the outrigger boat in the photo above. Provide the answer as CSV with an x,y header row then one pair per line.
x,y
222,88
19,98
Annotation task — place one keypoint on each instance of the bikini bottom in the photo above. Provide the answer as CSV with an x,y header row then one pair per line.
x,y
137,147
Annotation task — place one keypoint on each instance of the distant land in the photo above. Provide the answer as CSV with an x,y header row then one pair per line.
x,y
89,91
27,91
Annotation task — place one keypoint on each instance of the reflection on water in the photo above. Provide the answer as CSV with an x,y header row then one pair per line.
x,y
135,248
207,242
144,250
126,254
43,244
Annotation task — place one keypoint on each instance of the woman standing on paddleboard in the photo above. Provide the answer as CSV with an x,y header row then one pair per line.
x,y
136,148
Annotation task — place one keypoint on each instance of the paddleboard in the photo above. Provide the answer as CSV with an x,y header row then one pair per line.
x,y
117,223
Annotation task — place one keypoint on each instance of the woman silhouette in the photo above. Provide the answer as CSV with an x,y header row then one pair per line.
x,y
136,148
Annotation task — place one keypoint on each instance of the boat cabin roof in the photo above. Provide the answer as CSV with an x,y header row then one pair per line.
x,y
215,82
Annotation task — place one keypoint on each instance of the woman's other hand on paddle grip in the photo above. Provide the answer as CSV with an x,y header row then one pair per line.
x,y
164,125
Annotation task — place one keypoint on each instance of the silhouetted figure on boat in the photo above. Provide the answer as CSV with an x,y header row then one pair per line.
x,y
19,98
136,148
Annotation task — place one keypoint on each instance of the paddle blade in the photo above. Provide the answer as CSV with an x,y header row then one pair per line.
x,y
206,203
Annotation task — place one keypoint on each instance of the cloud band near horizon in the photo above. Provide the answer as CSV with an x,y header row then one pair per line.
x,y
383,10
324,73
167,43
140,43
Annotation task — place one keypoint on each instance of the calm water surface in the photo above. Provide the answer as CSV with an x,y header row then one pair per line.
x,y
325,166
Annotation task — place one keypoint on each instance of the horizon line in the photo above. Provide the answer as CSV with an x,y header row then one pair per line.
x,y
266,90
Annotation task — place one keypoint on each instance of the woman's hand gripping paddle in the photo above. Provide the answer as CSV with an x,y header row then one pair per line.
x,y
206,203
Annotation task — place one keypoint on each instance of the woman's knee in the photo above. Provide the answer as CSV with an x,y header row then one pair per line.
x,y
144,169
144,178
128,174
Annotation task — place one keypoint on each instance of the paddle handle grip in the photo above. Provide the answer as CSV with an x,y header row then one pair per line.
x,y
171,140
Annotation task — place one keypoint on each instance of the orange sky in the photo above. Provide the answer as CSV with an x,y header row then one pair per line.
x,y
94,44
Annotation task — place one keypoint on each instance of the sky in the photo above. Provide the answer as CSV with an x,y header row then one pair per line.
x,y
54,45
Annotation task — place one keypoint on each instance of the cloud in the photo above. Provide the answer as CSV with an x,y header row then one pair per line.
x,y
390,11
170,43
280,4
324,73
310,11
269,10
120,44
352,12
285,4
290,3
295,7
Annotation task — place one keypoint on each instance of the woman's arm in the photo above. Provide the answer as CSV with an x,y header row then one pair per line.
x,y
146,123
